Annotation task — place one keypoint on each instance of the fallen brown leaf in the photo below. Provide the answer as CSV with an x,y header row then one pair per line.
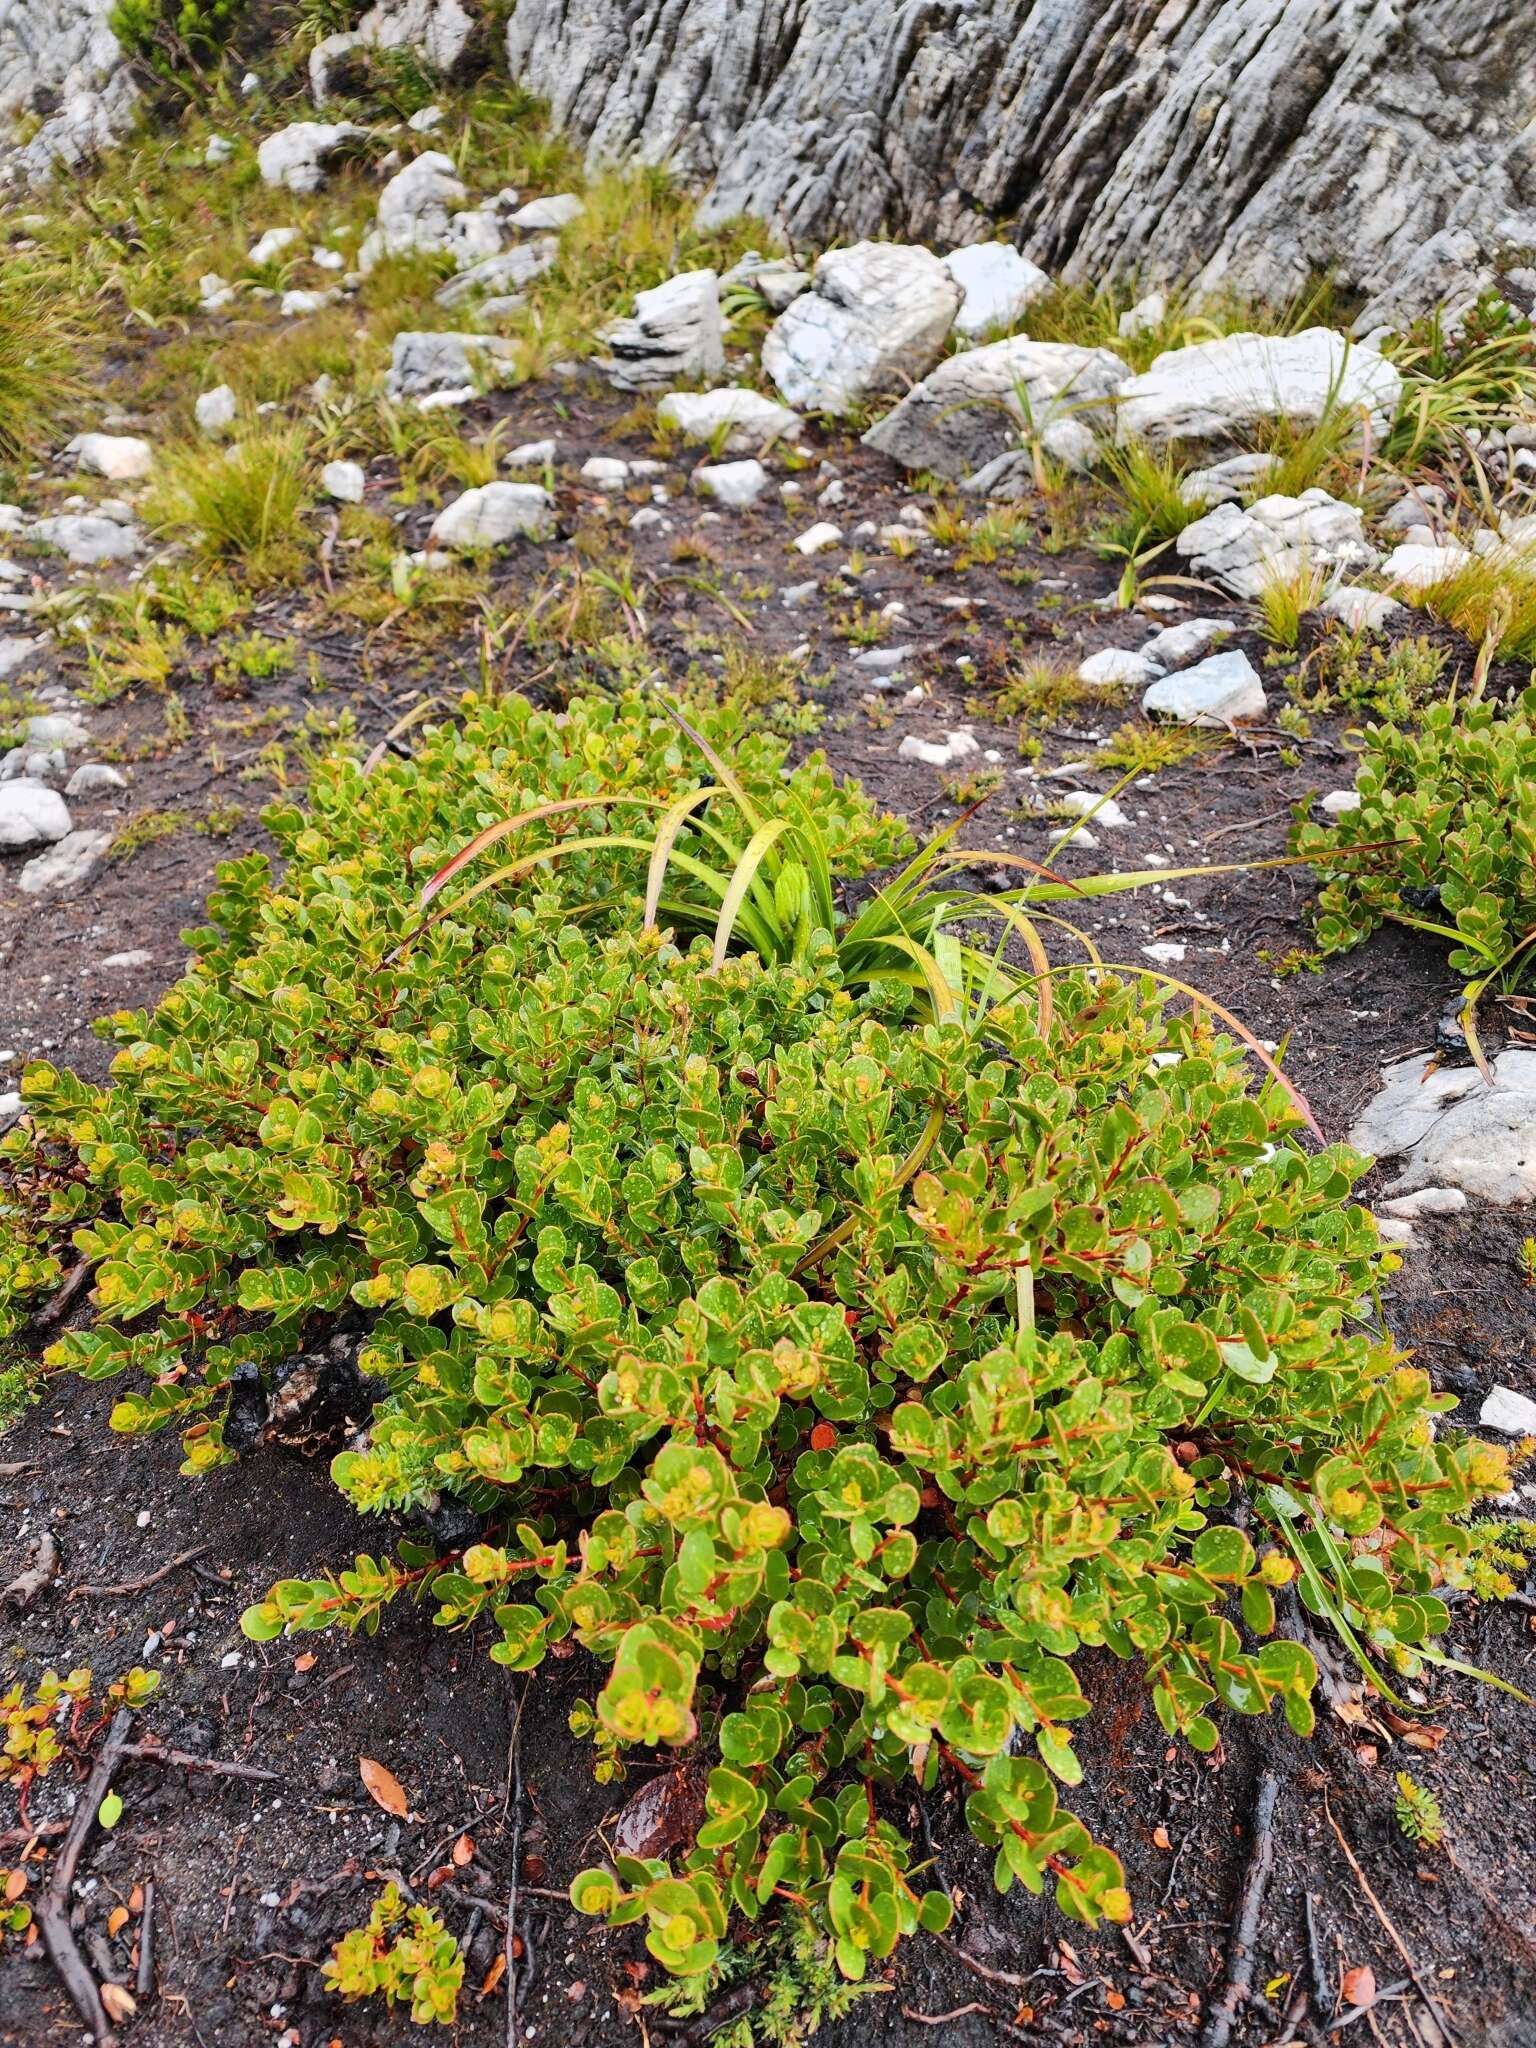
x,y
306,1662
494,1974
439,1876
463,1851
383,1787
1160,1838
1358,1986
120,2004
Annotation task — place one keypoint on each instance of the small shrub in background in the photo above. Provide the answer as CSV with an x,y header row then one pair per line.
x,y
1444,840
833,1364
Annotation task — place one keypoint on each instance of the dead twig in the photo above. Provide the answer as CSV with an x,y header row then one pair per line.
x,y
184,1760
138,1585
942,2019
60,1302
53,1907
1241,1953
515,1787
1437,2011
144,1983
27,1586
738,2000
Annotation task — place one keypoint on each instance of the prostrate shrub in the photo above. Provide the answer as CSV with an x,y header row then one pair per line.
x,y
834,1379
1444,840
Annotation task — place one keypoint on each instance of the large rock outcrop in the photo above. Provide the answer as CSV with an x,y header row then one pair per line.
x,y
60,59
1250,143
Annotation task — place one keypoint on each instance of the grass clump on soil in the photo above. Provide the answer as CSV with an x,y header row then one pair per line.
x,y
833,1331
1443,841
247,502
1492,600
40,357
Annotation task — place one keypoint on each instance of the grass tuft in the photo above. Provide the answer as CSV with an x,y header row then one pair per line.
x,y
40,356
245,503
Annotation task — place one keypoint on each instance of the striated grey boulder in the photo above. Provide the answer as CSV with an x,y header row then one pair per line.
x,y
300,156
439,32
875,318
1251,143
977,406
492,514
423,361
1275,539
60,59
675,333
1220,390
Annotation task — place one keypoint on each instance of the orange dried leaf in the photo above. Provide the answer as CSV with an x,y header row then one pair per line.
x,y
1359,1985
120,2004
136,1899
463,1851
1160,1838
306,1662
117,1920
383,1787
494,1974
15,1884
439,1876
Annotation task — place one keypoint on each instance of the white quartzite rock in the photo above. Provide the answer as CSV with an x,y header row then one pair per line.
x,y
1509,1412
998,284
1275,538
86,538
875,318
753,420
67,865
1225,482
955,746
736,484
492,514
557,211
1448,1128
675,333
969,413
437,32
509,269
122,458
31,814
95,778
17,654
1414,567
1359,609
299,156
1219,390
1176,645
1214,692
215,411
1119,666
448,361
344,481
415,210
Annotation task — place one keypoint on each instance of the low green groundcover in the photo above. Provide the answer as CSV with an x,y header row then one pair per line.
x,y
833,1378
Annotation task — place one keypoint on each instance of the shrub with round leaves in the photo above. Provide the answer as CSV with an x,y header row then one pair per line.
x,y
1443,840
834,1380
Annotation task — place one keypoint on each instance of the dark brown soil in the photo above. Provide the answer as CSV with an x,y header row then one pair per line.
x,y
253,1884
